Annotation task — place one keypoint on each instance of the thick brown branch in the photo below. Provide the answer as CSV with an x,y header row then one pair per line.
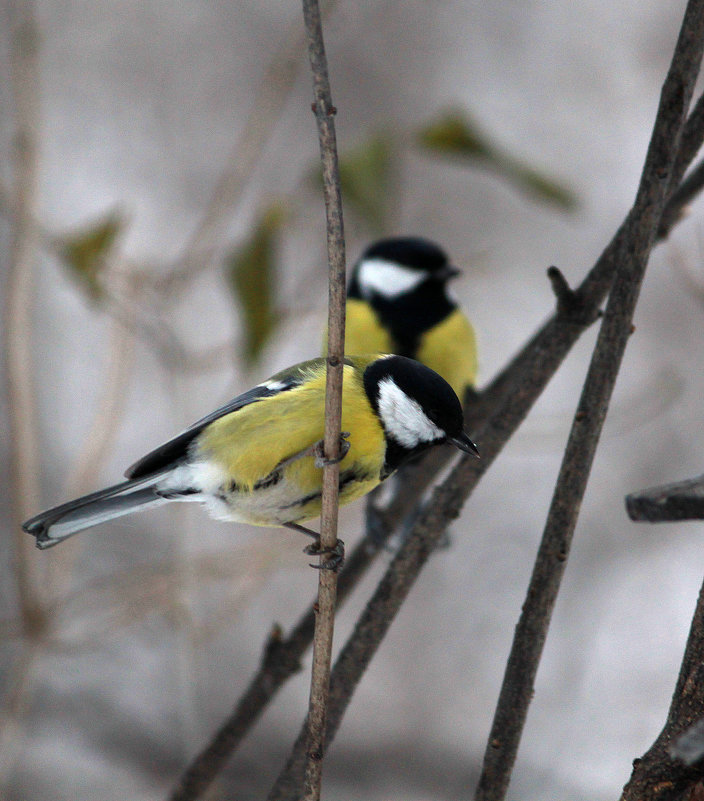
x,y
523,378
531,372
504,402
640,235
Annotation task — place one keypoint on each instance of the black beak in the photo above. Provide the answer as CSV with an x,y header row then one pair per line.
x,y
446,273
464,443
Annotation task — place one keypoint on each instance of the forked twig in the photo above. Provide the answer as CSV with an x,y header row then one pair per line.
x,y
641,231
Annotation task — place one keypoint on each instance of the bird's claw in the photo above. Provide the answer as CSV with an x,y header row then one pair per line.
x,y
336,554
319,450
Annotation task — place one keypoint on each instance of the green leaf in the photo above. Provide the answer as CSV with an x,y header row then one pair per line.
x,y
453,134
366,176
540,186
251,272
85,251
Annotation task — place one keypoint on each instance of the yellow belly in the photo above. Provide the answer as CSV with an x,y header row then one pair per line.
x,y
265,474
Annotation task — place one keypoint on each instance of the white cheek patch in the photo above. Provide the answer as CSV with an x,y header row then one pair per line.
x,y
403,418
386,278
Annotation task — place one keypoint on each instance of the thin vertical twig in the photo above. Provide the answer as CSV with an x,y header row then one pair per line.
x,y
20,285
327,585
642,227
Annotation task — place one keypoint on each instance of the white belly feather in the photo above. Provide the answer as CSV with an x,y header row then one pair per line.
x,y
207,483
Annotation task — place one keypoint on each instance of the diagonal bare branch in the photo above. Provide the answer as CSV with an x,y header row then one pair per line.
x,y
522,380
495,413
641,232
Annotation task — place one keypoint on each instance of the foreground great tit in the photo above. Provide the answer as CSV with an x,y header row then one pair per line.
x,y
398,302
258,458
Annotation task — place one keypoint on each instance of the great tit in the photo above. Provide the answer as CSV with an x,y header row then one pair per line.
x,y
258,458
398,302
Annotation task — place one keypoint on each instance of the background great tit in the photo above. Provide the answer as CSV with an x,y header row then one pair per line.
x,y
256,460
398,302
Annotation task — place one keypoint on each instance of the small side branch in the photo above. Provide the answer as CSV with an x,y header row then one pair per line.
x,y
684,194
683,500
570,303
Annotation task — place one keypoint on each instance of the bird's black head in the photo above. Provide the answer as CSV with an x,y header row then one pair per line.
x,y
413,252
397,265
417,408
404,280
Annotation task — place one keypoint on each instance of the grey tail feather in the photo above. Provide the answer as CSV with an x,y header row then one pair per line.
x,y
61,522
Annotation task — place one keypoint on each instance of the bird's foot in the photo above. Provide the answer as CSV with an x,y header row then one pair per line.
x,y
319,451
336,553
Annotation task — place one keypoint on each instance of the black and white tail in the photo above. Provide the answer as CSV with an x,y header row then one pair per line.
x,y
61,522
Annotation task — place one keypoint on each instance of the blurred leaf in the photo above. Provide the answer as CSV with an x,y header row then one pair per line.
x,y
251,271
539,185
366,175
85,251
453,134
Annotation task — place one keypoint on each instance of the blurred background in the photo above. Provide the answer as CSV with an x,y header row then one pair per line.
x,y
176,255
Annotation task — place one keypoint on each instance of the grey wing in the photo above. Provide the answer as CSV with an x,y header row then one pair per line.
x,y
176,449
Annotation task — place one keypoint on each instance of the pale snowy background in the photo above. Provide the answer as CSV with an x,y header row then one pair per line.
x,y
141,103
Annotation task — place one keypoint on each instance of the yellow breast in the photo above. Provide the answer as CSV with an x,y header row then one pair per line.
x,y
450,348
248,445
363,331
